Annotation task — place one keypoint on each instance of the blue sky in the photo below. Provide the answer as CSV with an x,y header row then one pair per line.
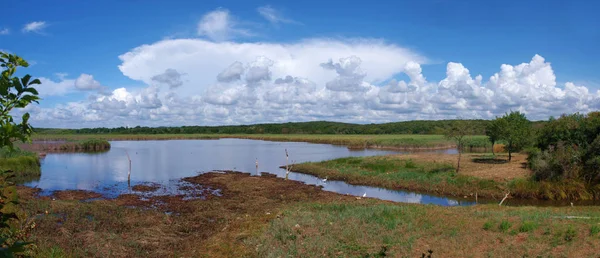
x,y
87,37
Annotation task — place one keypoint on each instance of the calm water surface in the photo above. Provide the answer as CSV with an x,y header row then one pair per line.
x,y
165,162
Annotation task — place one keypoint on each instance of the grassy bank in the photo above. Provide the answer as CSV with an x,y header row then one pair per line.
x,y
271,217
400,141
435,174
392,172
24,164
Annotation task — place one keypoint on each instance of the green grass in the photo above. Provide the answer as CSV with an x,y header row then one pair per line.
x,y
594,230
352,141
504,226
24,164
528,226
365,229
394,173
437,177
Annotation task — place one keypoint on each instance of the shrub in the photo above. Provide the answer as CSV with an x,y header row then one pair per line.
x,y
594,230
487,225
570,234
528,226
504,226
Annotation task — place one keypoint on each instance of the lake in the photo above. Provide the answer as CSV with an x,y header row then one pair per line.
x,y
166,161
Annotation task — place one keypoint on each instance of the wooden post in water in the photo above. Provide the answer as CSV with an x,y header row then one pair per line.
x,y
256,166
287,169
128,172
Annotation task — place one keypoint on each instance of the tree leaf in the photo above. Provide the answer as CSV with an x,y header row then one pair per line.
x,y
25,80
31,90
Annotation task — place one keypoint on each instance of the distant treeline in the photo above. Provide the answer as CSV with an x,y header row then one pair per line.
x,y
317,127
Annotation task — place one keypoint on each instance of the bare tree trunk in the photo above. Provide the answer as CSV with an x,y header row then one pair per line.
x,y
458,165
493,154
128,172
506,196
509,151
287,169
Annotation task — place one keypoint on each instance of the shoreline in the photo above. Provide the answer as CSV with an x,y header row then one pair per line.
x,y
265,216
352,142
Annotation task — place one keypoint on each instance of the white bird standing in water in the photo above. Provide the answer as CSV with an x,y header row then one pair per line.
x,y
325,180
365,195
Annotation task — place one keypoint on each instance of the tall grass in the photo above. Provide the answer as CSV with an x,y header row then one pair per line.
x,y
25,164
92,145
72,145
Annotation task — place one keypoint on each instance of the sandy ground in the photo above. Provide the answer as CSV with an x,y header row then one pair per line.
x,y
503,171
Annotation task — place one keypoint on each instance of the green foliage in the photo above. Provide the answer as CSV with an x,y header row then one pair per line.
x,y
569,149
12,239
528,226
516,133
570,234
594,230
24,164
494,131
315,127
504,226
15,93
488,225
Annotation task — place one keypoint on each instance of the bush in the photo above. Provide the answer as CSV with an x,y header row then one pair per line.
x,y
504,226
570,234
594,230
569,148
528,226
487,225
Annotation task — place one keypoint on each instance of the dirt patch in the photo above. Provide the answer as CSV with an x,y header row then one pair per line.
x,y
146,187
75,195
134,225
500,170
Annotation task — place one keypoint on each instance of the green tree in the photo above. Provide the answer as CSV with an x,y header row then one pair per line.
x,y
494,129
458,132
15,93
516,133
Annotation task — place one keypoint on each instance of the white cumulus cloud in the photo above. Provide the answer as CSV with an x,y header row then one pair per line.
x,y
36,26
87,82
219,25
318,79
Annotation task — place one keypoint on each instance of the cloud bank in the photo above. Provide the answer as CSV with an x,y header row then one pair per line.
x,y
202,82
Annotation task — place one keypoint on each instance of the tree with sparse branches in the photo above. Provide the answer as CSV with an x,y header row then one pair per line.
x,y
494,130
458,132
